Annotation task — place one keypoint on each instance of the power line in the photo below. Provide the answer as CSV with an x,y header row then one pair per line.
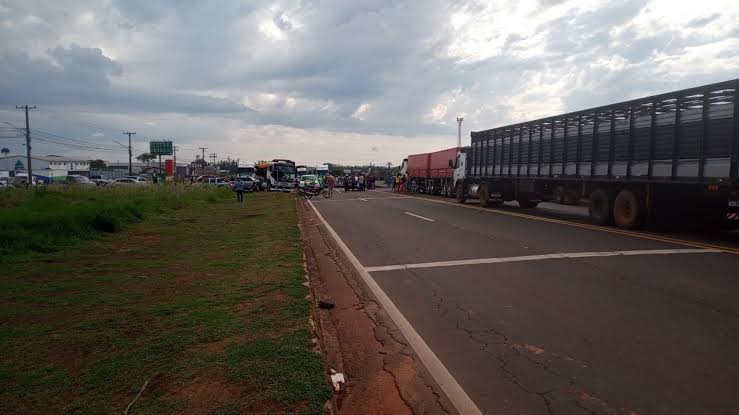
x,y
46,133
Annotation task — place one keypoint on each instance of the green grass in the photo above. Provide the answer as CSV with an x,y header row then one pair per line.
x,y
205,296
48,219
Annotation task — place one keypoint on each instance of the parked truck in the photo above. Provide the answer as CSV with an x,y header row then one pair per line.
x,y
671,156
432,172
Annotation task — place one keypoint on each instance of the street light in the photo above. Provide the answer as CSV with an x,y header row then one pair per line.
x,y
459,131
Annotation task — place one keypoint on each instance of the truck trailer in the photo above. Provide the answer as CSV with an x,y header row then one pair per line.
x,y
669,156
432,172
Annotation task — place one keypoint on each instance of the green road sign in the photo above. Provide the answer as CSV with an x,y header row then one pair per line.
x,y
160,148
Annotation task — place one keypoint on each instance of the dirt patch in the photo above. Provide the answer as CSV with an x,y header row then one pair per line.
x,y
383,375
208,391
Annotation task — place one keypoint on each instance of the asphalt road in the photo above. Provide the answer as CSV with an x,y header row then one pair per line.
x,y
650,332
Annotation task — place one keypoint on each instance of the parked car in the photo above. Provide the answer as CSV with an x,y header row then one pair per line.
x,y
127,181
101,182
250,185
76,179
216,181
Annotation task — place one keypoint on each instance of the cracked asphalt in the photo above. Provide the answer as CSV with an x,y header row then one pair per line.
x,y
612,335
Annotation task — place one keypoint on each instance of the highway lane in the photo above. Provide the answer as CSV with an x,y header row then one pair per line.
x,y
650,333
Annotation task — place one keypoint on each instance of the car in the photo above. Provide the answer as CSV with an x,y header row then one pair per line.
x,y
127,181
308,179
78,180
250,184
215,181
101,182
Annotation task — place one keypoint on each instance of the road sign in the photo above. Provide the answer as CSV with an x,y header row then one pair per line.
x,y
160,148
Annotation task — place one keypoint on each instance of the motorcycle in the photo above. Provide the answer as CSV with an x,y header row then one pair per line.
x,y
308,192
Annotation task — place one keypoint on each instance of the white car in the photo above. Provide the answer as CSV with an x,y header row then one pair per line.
x,y
127,181
216,181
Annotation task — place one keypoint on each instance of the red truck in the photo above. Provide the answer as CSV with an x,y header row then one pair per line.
x,y
432,172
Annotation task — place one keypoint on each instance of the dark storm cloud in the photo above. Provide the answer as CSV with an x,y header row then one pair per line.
x,y
357,66
82,76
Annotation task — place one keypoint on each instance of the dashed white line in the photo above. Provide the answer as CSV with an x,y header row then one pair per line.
x,y
419,216
540,258
457,396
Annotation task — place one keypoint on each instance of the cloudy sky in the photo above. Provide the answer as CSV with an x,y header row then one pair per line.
x,y
337,81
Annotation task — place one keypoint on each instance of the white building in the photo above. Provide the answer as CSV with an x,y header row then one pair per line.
x,y
50,167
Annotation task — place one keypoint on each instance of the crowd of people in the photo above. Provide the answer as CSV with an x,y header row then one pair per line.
x,y
359,182
398,182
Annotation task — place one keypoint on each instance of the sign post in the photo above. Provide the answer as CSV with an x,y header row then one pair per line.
x,y
161,148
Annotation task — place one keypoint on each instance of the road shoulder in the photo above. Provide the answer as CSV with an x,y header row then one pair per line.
x,y
360,340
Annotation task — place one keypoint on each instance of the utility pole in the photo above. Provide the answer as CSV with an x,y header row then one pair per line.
x,y
130,166
174,156
213,156
203,150
28,144
459,132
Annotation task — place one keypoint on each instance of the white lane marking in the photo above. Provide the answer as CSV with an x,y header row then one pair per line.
x,y
457,396
541,257
363,199
419,216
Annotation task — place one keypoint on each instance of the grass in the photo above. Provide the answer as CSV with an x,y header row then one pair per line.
x,y
204,299
49,218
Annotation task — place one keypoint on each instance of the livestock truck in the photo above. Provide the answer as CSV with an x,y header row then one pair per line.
x,y
668,157
432,172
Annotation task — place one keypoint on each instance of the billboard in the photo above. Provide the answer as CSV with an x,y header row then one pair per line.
x,y
160,148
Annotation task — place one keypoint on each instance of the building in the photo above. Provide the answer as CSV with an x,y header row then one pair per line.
x,y
136,167
51,167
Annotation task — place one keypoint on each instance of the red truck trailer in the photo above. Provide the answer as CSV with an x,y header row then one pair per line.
x,y
432,171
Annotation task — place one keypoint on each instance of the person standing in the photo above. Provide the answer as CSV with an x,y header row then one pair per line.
x,y
239,188
330,183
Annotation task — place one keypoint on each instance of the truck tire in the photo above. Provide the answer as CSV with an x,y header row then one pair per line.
x,y
628,210
600,207
525,202
461,198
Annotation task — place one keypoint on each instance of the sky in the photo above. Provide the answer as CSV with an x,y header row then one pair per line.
x,y
339,81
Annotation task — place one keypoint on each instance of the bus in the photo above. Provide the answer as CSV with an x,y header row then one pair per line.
x,y
280,175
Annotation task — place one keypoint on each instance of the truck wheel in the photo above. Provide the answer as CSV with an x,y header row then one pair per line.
x,y
525,202
460,193
628,210
600,207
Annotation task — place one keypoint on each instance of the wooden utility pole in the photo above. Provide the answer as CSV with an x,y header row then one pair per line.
x,y
28,144
130,153
174,161
203,150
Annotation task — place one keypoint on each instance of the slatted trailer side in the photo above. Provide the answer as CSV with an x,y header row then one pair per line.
x,y
636,155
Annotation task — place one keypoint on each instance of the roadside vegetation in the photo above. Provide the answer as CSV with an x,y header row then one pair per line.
x,y
195,295
50,218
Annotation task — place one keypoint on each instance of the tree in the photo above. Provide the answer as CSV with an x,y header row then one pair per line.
x,y
98,164
5,151
146,158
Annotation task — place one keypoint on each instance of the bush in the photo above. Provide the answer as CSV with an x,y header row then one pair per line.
x,y
106,222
